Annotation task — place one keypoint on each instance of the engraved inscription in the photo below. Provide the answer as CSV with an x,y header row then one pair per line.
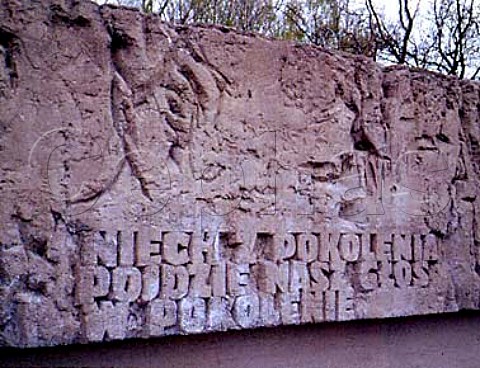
x,y
189,282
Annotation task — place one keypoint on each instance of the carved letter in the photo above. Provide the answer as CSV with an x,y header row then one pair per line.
x,y
192,315
175,247
107,319
126,284
161,314
246,310
200,286
307,248
150,282
349,247
403,274
174,282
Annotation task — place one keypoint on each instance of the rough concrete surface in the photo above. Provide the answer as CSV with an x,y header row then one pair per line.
x,y
158,180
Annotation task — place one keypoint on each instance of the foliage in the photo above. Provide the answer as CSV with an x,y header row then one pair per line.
x,y
443,36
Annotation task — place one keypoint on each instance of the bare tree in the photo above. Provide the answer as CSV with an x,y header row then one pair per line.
x,y
457,37
444,37
332,24
448,41
395,37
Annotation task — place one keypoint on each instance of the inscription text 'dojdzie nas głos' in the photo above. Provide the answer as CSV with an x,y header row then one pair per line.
x,y
194,282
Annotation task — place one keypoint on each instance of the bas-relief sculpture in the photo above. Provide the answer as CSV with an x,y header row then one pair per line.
x,y
159,180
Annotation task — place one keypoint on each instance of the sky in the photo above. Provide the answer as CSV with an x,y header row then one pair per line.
x,y
390,7
387,7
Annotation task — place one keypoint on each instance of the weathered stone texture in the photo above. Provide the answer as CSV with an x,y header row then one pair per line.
x,y
161,180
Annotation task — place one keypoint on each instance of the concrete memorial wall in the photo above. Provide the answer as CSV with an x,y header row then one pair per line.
x,y
160,179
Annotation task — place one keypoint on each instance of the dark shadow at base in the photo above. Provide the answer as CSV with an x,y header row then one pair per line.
x,y
450,341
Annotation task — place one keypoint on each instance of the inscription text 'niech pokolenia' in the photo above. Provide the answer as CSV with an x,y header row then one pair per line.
x,y
192,282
